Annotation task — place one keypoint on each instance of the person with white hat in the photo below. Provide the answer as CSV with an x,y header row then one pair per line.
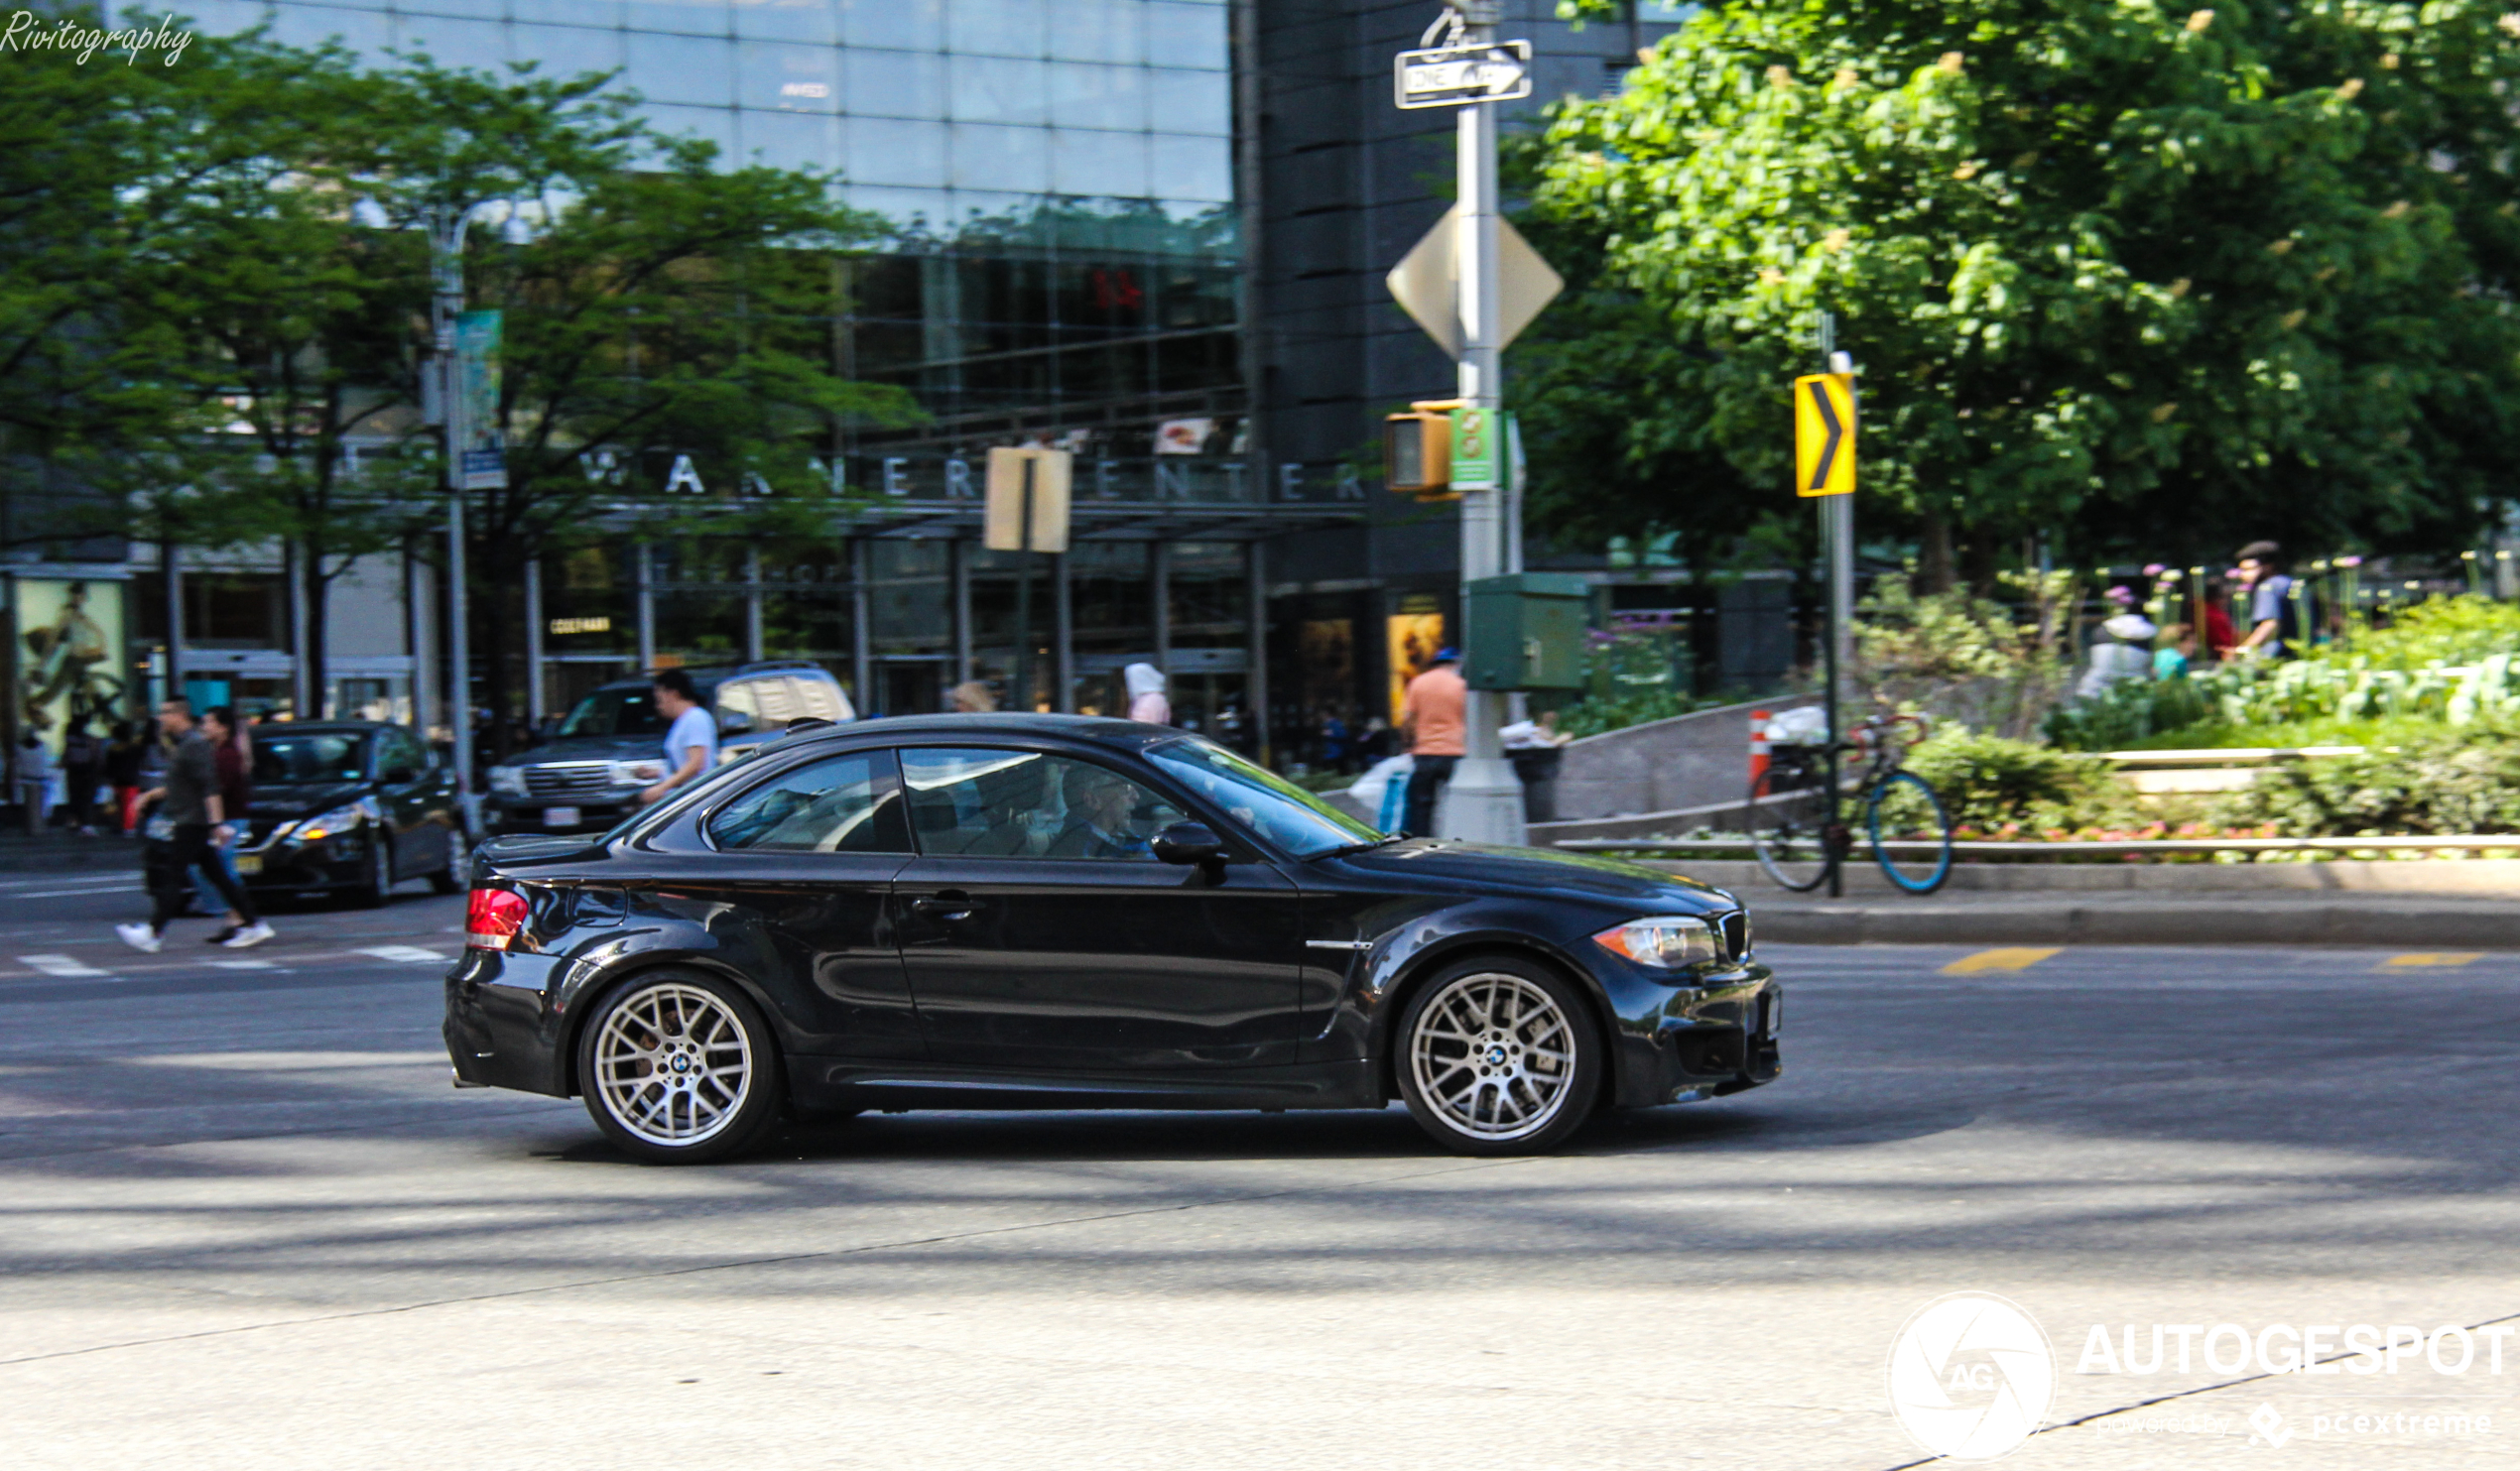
x,y
2125,652
1146,694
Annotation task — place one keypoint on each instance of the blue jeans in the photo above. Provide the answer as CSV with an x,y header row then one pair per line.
x,y
205,885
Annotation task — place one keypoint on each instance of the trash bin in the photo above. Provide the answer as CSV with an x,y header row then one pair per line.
x,y
1538,768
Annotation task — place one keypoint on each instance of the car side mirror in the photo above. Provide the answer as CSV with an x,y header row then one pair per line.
x,y
1189,843
397,776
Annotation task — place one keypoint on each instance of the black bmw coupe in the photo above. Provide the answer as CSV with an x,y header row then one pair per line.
x,y
1059,911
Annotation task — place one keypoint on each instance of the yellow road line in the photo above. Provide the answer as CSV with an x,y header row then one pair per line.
x,y
2430,957
2014,958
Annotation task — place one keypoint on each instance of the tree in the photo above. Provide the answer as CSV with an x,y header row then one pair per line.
x,y
657,308
2152,280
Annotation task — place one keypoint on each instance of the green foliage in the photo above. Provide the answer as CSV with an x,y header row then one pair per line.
x,y
1962,657
2447,783
1987,782
2452,660
2130,714
2174,275
1596,714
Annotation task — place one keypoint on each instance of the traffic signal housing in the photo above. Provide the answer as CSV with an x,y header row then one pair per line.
x,y
1417,451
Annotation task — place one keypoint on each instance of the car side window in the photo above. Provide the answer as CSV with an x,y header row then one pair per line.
x,y
736,699
843,805
1001,804
408,752
817,699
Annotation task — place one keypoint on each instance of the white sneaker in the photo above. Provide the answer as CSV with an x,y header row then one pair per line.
x,y
139,937
246,938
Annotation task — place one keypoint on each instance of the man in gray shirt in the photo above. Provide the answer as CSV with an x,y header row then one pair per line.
x,y
188,805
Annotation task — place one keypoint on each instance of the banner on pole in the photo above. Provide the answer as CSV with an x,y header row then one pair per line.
x,y
482,449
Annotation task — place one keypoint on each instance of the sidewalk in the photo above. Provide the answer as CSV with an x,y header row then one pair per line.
x,y
61,851
2466,905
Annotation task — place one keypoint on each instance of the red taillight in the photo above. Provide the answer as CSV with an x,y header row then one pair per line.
x,y
492,919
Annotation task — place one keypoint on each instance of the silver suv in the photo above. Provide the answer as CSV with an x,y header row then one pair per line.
x,y
589,776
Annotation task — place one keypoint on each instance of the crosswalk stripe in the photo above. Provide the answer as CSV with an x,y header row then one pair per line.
x,y
2009,958
2418,959
244,965
61,965
412,953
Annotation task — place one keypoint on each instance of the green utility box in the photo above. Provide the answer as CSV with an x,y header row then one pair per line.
x,y
1525,631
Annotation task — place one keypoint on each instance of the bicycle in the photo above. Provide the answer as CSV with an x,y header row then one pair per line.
x,y
1793,821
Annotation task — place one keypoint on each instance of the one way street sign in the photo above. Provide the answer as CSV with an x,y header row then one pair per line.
x,y
1825,435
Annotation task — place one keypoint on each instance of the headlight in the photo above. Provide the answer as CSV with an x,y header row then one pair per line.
x,y
508,780
637,773
1671,942
332,823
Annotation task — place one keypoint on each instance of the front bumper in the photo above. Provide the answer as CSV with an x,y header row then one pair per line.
x,y
326,864
1720,1035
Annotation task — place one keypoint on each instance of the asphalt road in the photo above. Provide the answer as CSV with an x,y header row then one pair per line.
x,y
249,1225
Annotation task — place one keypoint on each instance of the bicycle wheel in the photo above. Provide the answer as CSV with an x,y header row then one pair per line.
x,y
1788,818
1911,833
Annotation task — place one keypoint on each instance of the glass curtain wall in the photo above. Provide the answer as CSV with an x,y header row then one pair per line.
x,y
1110,595
910,623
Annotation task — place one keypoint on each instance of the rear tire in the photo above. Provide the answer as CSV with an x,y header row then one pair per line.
x,y
680,1069
1497,1055
1788,818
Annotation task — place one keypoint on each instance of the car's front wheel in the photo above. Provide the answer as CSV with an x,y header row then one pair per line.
x,y
679,1069
1498,1056
455,873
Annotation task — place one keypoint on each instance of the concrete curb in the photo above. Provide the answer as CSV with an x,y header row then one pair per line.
x,y
2412,923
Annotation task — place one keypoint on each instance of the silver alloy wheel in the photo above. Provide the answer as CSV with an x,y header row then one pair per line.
x,y
673,1064
1493,1054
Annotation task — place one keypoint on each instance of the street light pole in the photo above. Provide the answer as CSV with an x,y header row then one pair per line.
x,y
446,226
1484,800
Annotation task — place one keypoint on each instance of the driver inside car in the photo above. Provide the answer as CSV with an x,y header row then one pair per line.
x,y
1098,826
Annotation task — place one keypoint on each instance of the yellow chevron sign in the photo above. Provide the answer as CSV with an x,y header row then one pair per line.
x,y
1825,435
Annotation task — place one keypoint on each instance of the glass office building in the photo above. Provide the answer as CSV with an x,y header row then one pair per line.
x,y
1063,266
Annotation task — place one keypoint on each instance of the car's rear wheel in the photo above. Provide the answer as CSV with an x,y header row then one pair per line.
x,y
680,1069
1498,1056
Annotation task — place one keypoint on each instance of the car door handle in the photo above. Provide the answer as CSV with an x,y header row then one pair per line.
x,y
948,906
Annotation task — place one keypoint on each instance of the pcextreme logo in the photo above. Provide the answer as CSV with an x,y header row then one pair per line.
x,y
1972,1376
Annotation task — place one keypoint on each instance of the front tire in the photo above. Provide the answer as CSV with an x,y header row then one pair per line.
x,y
680,1069
1498,1056
376,889
455,874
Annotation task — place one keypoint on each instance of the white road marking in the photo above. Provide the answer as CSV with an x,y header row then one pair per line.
x,y
61,965
412,953
244,965
75,893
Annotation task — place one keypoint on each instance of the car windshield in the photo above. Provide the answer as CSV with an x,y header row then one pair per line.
x,y
614,712
1270,805
280,760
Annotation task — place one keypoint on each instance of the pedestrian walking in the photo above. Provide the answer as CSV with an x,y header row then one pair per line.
x,y
232,750
190,817
2273,633
1146,694
83,769
972,697
691,742
2172,656
1333,738
2125,652
34,781
1434,723
123,755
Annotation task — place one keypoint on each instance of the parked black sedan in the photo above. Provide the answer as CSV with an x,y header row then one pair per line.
x,y
349,808
1057,911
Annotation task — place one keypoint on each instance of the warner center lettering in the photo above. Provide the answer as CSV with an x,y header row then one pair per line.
x,y
952,479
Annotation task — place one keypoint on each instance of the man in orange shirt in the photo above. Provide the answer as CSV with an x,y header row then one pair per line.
x,y
1432,723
